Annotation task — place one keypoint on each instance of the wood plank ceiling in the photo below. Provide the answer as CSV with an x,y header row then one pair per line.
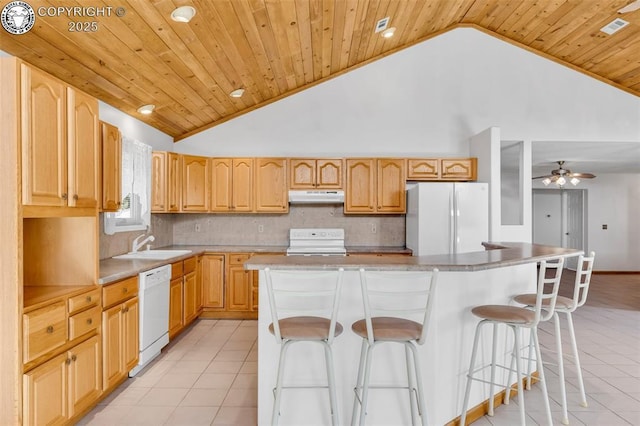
x,y
274,48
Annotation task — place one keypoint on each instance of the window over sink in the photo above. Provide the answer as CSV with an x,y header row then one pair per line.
x,y
135,209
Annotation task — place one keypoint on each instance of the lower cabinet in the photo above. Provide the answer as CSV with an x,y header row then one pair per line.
x,y
63,386
175,307
185,296
212,275
120,331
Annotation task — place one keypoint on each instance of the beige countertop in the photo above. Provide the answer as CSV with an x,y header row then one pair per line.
x,y
497,255
112,270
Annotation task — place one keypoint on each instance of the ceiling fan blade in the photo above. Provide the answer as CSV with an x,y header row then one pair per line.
x,y
630,7
542,177
582,175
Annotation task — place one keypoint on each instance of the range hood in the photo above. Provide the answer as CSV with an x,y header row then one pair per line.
x,y
316,197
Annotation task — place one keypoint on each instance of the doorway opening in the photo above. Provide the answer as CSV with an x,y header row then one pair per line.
x,y
560,219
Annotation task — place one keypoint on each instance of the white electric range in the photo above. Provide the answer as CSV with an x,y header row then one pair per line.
x,y
316,242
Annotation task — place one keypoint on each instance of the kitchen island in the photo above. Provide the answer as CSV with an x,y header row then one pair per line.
x,y
466,280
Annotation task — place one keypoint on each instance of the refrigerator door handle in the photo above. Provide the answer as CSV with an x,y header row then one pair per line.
x,y
452,220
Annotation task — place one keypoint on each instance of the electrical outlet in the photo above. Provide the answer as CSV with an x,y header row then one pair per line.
x,y
261,228
197,227
374,229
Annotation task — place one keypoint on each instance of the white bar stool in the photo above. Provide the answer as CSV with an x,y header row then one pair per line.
x,y
397,307
567,305
304,307
516,318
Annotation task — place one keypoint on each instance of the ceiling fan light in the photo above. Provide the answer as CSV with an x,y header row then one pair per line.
x,y
561,181
183,14
574,181
146,109
546,181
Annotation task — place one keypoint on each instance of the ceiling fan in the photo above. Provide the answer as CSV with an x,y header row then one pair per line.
x,y
630,7
561,176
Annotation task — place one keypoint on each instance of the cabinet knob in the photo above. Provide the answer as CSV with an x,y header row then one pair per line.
x,y
50,329
89,321
74,358
125,310
75,197
67,361
124,290
64,196
88,299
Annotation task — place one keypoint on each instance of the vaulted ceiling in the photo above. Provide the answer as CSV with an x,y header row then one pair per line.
x,y
274,48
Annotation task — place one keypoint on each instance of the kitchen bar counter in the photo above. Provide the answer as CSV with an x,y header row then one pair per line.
x,y
112,270
466,280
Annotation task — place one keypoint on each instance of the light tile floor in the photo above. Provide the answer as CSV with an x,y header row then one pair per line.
x,y
207,376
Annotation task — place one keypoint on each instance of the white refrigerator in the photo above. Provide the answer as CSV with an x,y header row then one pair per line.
x,y
447,218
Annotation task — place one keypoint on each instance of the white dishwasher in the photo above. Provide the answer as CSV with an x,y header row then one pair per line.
x,y
154,314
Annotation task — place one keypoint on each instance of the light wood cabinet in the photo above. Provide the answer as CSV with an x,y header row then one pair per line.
x,y
111,167
307,173
195,183
271,185
463,169
423,169
85,375
175,307
166,182
232,184
375,185
184,296
239,283
60,143
120,332
212,269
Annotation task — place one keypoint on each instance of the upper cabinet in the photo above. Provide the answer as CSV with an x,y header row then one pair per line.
x,y
442,169
307,173
60,143
195,183
375,185
232,184
111,168
158,181
271,185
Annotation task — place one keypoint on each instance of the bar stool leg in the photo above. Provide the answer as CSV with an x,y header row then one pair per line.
x,y
410,382
474,351
529,361
357,399
422,410
278,389
365,385
331,381
516,350
576,357
494,349
563,392
543,381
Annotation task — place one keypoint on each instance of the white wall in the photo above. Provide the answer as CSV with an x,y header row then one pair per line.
x,y
134,128
430,99
613,200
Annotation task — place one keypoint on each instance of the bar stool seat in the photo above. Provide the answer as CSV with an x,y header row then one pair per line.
x,y
516,318
388,328
306,328
530,300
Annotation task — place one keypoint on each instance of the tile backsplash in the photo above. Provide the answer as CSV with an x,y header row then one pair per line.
x,y
244,229
236,229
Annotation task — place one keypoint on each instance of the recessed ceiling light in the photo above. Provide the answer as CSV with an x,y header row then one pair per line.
x,y
388,33
183,14
146,109
237,93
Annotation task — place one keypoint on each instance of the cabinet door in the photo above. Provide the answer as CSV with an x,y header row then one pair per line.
x,y
85,376
239,287
83,133
111,168
190,309
174,181
360,186
199,285
112,347
329,173
254,291
459,168
44,139
221,184
158,182
391,192
242,197
45,393
303,173
271,185
130,332
195,183
423,169
175,306
212,268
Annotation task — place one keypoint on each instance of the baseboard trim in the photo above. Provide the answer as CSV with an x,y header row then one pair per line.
x,y
615,272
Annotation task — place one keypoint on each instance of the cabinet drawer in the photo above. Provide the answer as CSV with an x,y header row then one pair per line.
x,y
177,270
84,322
83,301
44,330
238,258
190,265
120,291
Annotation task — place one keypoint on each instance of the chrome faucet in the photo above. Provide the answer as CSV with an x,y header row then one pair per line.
x,y
135,246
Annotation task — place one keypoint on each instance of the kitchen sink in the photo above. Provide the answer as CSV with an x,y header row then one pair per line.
x,y
152,254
